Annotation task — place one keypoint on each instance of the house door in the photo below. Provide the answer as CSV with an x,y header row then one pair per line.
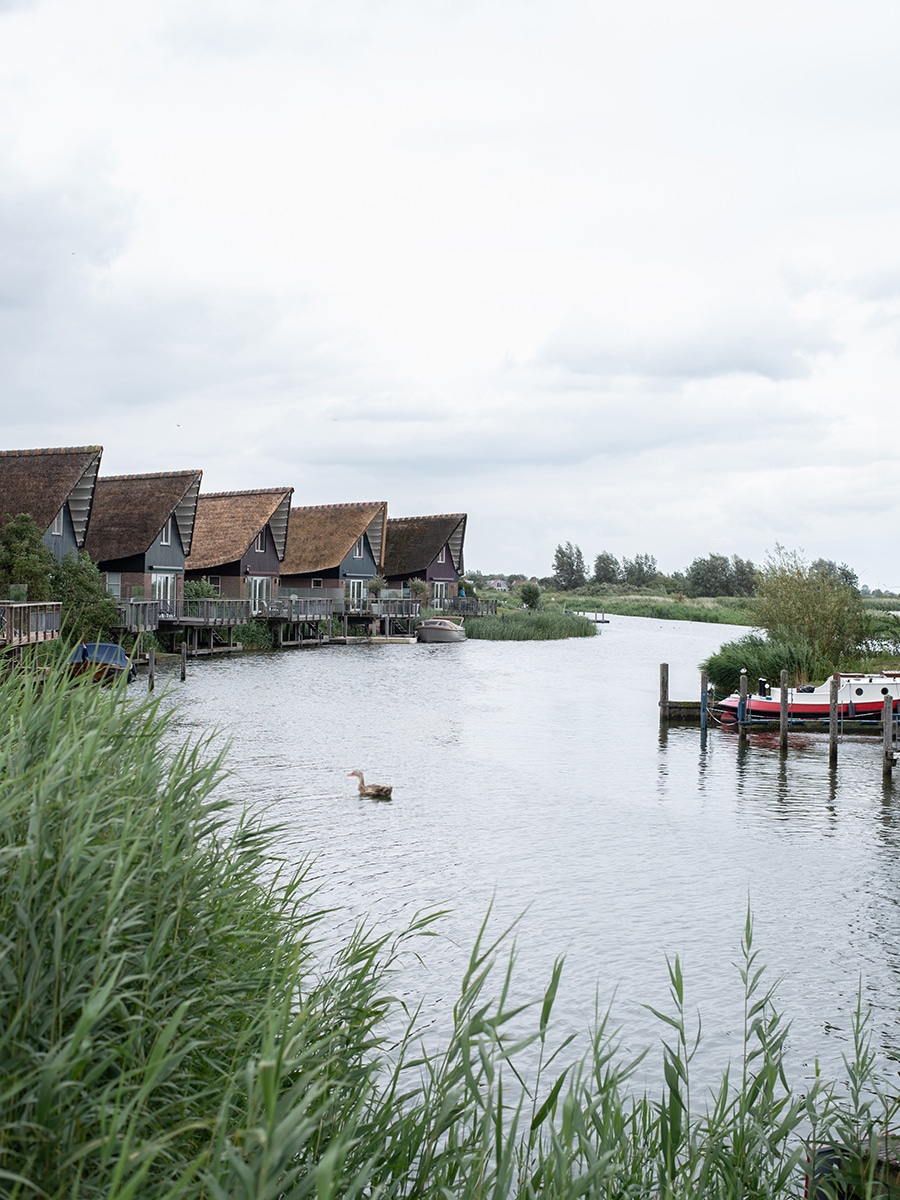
x,y
162,588
439,593
260,592
357,593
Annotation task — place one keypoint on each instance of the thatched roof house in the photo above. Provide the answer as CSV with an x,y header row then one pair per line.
x,y
429,548
56,487
141,531
322,538
132,511
240,540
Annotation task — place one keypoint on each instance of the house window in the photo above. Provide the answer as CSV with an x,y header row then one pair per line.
x,y
357,549
441,552
260,592
162,587
260,544
165,538
114,583
215,581
438,590
57,527
317,583
357,592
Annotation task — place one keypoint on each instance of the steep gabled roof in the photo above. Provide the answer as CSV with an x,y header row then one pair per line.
x,y
227,524
130,510
321,536
413,543
40,482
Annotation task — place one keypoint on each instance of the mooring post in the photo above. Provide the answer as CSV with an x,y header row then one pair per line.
x,y
151,671
833,722
704,686
742,707
783,714
183,661
888,725
664,692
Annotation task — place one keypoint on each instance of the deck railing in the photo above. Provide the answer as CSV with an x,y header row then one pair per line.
x,y
26,624
206,611
138,615
299,608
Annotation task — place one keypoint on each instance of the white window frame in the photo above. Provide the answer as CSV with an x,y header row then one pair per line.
x,y
358,550
317,583
439,589
162,586
260,544
56,529
165,537
260,591
114,583
357,591
441,555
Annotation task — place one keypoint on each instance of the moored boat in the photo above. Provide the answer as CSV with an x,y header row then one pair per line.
x,y
439,629
104,660
860,698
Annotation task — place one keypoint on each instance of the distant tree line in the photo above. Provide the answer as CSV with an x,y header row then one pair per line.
x,y
713,575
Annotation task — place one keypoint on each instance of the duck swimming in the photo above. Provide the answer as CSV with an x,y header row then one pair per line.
x,y
379,790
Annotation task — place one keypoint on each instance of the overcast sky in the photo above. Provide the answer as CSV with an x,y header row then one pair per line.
x,y
621,274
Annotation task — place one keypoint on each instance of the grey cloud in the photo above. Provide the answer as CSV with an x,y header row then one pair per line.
x,y
773,346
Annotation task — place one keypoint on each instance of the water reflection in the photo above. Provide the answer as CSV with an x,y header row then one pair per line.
x,y
536,776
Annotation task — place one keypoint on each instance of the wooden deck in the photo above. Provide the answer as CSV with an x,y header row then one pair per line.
x,y
28,624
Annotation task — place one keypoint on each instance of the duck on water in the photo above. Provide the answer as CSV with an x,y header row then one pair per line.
x,y
379,791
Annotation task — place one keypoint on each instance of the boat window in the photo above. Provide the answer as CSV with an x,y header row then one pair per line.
x,y
859,691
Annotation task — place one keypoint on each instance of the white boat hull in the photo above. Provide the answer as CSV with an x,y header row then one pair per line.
x,y
440,631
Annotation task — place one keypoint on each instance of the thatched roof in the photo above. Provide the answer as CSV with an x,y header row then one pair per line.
x,y
130,510
227,524
413,543
39,482
321,536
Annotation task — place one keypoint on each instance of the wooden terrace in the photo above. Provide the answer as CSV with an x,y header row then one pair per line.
x,y
28,624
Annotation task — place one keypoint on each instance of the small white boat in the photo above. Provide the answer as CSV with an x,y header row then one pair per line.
x,y
439,629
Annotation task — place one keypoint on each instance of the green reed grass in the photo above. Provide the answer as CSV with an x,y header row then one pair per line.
x,y
169,1028
522,626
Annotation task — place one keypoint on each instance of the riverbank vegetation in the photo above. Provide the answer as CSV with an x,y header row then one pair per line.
x,y
169,1027
529,626
721,611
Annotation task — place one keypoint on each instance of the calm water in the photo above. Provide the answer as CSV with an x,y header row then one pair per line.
x,y
535,775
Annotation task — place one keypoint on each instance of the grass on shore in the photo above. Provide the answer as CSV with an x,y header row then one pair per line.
x,y
168,1028
722,610
522,626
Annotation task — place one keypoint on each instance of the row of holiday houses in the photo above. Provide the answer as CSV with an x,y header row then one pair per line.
x,y
150,533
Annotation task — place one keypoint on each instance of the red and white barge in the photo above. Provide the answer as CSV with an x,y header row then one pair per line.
x,y
860,698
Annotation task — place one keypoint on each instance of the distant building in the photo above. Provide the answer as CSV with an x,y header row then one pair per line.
x,y
55,487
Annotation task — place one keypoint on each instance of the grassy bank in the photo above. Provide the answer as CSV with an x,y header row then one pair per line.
x,y
723,610
522,626
168,1028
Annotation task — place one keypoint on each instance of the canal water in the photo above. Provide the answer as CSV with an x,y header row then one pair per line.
x,y
533,777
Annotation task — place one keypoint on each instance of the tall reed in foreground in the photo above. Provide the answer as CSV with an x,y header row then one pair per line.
x,y
169,1029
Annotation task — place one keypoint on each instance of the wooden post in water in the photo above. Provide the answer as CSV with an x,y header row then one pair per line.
x,y
664,692
151,669
783,714
743,721
888,725
704,686
833,723
183,661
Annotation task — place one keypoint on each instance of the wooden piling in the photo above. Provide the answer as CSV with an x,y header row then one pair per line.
x,y
833,722
704,687
783,714
151,669
663,691
183,661
743,721
887,721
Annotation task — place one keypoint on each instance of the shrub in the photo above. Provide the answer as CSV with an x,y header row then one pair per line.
x,y
809,604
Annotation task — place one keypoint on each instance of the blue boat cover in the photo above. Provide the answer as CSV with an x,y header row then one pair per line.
x,y
101,652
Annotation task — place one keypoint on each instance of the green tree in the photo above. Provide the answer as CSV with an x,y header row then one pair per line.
x,y
607,568
88,610
24,558
200,589
712,576
568,567
798,600
639,571
744,576
531,595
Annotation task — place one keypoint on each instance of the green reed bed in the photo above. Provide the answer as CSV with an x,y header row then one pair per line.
x,y
169,1028
766,658
522,626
